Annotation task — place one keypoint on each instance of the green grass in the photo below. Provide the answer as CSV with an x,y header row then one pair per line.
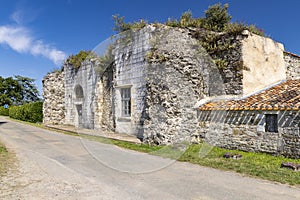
x,y
258,165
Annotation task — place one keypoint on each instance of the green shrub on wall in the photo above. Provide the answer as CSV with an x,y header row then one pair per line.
x,y
31,112
4,111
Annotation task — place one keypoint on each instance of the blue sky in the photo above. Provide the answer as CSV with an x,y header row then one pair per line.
x,y
36,35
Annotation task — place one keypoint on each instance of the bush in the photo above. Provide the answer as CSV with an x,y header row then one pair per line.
x,y
217,17
238,27
4,111
31,112
76,60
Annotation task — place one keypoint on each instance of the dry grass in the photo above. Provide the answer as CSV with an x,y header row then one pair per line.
x,y
7,160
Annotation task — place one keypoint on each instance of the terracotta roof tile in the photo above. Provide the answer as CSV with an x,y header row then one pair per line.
x,y
284,96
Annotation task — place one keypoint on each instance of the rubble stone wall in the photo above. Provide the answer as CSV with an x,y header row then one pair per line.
x,y
177,77
292,64
54,98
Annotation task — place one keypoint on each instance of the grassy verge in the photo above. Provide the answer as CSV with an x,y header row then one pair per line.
x,y
259,165
6,160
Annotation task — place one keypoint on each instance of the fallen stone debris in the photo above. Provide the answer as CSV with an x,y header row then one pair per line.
x,y
289,165
233,156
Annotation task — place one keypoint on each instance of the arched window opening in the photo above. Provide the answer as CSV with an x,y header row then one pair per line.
x,y
79,92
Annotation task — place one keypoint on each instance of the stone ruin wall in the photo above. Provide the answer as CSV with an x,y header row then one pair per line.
x,y
129,72
104,118
173,65
54,98
177,77
292,65
171,68
85,78
229,54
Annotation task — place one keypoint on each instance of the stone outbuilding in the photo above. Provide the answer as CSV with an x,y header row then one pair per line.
x,y
268,121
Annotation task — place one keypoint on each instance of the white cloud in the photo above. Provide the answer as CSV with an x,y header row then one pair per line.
x,y
17,16
20,40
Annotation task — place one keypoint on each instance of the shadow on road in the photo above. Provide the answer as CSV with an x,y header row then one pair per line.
x,y
2,123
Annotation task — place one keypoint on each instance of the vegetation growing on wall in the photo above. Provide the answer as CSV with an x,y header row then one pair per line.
x,y
210,30
216,19
215,33
76,60
56,70
120,25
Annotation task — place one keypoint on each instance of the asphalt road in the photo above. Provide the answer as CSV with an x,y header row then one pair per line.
x,y
57,166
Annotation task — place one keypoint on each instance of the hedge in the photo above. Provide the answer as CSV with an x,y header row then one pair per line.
x,y
4,111
31,112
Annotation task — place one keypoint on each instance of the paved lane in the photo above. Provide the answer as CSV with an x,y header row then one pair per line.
x,y
57,166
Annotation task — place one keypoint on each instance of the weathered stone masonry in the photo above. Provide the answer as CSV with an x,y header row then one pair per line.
x,y
175,72
245,130
161,71
54,98
168,72
292,64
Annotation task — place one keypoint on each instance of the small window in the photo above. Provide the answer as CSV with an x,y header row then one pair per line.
x,y
126,102
271,123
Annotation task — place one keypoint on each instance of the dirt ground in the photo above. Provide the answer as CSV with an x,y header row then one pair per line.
x,y
25,179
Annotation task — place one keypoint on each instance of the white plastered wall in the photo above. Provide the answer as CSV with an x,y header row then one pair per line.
x,y
263,61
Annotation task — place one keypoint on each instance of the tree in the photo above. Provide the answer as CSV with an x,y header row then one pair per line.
x,y
29,91
119,24
17,90
10,91
216,17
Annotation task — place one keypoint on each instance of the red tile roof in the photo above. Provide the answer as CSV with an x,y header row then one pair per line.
x,y
283,96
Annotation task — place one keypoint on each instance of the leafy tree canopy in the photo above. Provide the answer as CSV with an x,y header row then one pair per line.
x,y
29,91
17,90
